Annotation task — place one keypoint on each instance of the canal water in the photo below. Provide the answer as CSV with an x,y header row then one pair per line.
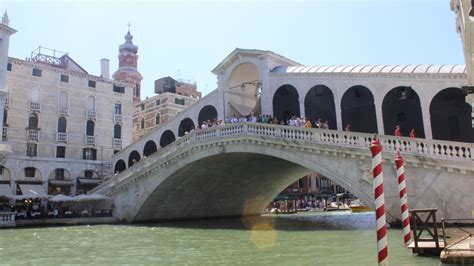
x,y
335,238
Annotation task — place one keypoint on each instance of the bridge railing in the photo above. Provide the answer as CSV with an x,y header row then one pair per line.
x,y
436,149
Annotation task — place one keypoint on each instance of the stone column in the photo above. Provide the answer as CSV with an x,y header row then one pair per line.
x,y
337,103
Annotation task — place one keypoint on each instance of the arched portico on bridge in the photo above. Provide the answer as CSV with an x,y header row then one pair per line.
x,y
185,126
401,106
241,94
319,103
150,148
358,110
450,116
133,158
166,138
120,166
286,103
207,113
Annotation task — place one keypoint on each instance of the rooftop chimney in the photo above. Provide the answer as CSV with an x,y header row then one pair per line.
x,y
105,68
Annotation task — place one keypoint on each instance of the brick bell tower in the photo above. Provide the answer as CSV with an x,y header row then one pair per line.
x,y
128,61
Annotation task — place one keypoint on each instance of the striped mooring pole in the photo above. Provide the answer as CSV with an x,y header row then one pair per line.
x,y
382,249
402,190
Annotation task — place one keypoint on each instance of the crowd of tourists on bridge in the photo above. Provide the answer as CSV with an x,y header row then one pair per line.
x,y
268,119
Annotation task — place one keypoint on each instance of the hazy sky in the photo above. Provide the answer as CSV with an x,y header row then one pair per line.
x,y
192,37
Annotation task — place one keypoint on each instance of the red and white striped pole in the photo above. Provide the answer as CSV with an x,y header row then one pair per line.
x,y
377,172
402,190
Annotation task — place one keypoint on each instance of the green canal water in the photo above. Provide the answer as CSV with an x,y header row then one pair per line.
x,y
297,239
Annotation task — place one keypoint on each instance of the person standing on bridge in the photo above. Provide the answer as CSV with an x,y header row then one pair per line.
x,y
307,123
412,134
397,132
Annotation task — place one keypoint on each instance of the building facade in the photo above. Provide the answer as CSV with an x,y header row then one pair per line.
x,y
173,97
62,123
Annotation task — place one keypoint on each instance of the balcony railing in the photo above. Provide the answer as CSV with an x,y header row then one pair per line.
x,y
61,137
118,119
32,134
7,102
90,114
35,107
62,110
90,140
5,133
117,143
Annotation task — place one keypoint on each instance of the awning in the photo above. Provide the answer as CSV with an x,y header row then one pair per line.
x,y
89,181
6,191
61,183
32,191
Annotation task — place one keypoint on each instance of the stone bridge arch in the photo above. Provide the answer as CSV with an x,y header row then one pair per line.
x,y
246,192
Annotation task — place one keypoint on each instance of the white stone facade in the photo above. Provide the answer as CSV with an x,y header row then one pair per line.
x,y
69,94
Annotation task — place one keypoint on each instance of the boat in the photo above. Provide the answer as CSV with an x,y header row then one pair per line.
x,y
360,208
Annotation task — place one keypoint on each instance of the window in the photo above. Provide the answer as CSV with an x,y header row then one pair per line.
x,y
59,174
92,83
142,124
36,72
157,102
30,172
31,149
60,152
118,108
9,67
62,124
142,106
64,78
1,169
89,154
157,119
119,89
33,121
179,101
117,132
5,117
90,128
301,183
63,99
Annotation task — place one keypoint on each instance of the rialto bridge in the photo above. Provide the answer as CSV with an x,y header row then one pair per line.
x,y
175,172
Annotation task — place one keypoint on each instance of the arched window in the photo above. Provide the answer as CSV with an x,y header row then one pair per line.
x,y
33,121
90,103
62,124
157,119
142,124
118,108
63,99
117,131
90,128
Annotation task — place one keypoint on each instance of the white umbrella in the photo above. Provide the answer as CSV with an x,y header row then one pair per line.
x,y
60,197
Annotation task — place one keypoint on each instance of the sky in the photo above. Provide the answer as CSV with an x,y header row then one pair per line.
x,y
186,39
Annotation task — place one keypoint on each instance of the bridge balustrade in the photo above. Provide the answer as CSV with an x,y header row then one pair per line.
x,y
436,149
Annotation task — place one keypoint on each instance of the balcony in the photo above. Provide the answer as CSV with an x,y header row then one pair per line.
x,y
62,110
117,143
35,107
90,140
118,119
32,134
5,133
61,137
90,114
7,102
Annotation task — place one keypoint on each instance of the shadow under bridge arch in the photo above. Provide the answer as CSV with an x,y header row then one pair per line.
x,y
221,185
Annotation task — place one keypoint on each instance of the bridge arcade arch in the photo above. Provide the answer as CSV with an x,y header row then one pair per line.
x,y
319,103
150,148
286,103
450,116
166,138
186,125
120,166
133,158
358,110
401,106
243,90
206,113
